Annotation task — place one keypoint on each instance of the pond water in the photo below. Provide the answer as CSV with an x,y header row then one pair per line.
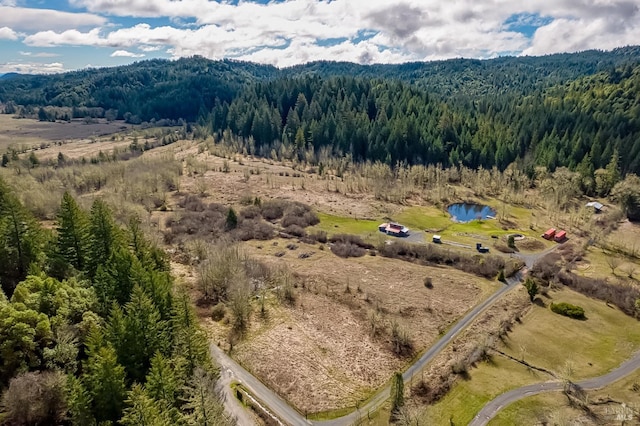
x,y
466,212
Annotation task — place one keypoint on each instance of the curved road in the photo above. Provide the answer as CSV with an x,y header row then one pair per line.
x,y
233,371
492,408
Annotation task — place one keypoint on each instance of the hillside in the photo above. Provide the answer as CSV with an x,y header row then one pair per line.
x,y
565,110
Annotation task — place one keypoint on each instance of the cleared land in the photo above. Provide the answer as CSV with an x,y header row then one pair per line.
x,y
320,354
565,347
28,133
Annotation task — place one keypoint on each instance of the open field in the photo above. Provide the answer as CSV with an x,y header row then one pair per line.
x,y
321,353
31,133
332,360
565,347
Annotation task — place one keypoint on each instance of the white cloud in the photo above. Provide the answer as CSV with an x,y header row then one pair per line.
x,y
31,67
289,32
39,54
7,33
30,19
126,54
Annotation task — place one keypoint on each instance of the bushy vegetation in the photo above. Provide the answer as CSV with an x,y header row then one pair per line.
x,y
92,330
625,297
568,310
487,266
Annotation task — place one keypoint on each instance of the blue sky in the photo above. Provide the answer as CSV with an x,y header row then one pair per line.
x,y
57,35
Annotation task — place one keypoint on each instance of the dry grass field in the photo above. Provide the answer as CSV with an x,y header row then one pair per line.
x,y
320,353
332,348
31,133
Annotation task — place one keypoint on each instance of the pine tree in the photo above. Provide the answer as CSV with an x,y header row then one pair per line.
x,y
142,410
73,233
21,240
145,334
204,408
397,392
104,236
190,342
105,381
79,402
163,382
232,219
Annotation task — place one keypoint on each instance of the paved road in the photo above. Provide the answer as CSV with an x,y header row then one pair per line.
x,y
232,370
492,408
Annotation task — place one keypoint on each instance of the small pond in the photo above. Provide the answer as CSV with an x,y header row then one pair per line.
x,y
466,212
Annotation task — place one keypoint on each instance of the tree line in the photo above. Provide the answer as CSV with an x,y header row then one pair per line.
x,y
91,330
566,110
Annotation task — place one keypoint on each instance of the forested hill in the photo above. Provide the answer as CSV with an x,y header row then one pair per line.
x,y
475,77
180,89
573,110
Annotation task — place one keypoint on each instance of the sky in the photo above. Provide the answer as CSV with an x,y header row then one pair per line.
x,y
47,36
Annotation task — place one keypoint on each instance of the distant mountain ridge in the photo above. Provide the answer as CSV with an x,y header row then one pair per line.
x,y
199,81
577,110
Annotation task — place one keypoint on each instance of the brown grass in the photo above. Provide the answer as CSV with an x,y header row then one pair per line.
x,y
332,357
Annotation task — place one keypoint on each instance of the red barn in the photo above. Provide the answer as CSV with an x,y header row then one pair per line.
x,y
549,234
560,236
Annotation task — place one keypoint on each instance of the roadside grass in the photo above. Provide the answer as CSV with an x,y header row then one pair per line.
x,y
484,383
570,348
533,410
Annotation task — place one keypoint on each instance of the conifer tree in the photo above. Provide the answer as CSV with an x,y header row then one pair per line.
x,y
73,233
104,236
142,410
190,342
145,334
105,381
204,408
21,240
163,381
79,402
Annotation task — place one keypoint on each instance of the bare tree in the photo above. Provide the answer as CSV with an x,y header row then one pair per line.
x,y
613,262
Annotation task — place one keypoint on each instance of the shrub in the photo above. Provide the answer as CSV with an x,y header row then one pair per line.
x,y
347,250
487,266
296,230
192,203
568,310
400,340
273,209
34,398
218,312
250,212
319,236
351,239
428,282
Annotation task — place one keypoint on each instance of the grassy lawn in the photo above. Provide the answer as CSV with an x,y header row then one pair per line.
x,y
580,349
530,410
434,220
346,225
487,381
590,348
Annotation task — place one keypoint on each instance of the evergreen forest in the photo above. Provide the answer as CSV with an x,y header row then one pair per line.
x,y
91,329
566,110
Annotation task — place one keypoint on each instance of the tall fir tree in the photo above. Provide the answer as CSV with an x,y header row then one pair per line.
x,y
73,233
104,236
105,382
21,240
